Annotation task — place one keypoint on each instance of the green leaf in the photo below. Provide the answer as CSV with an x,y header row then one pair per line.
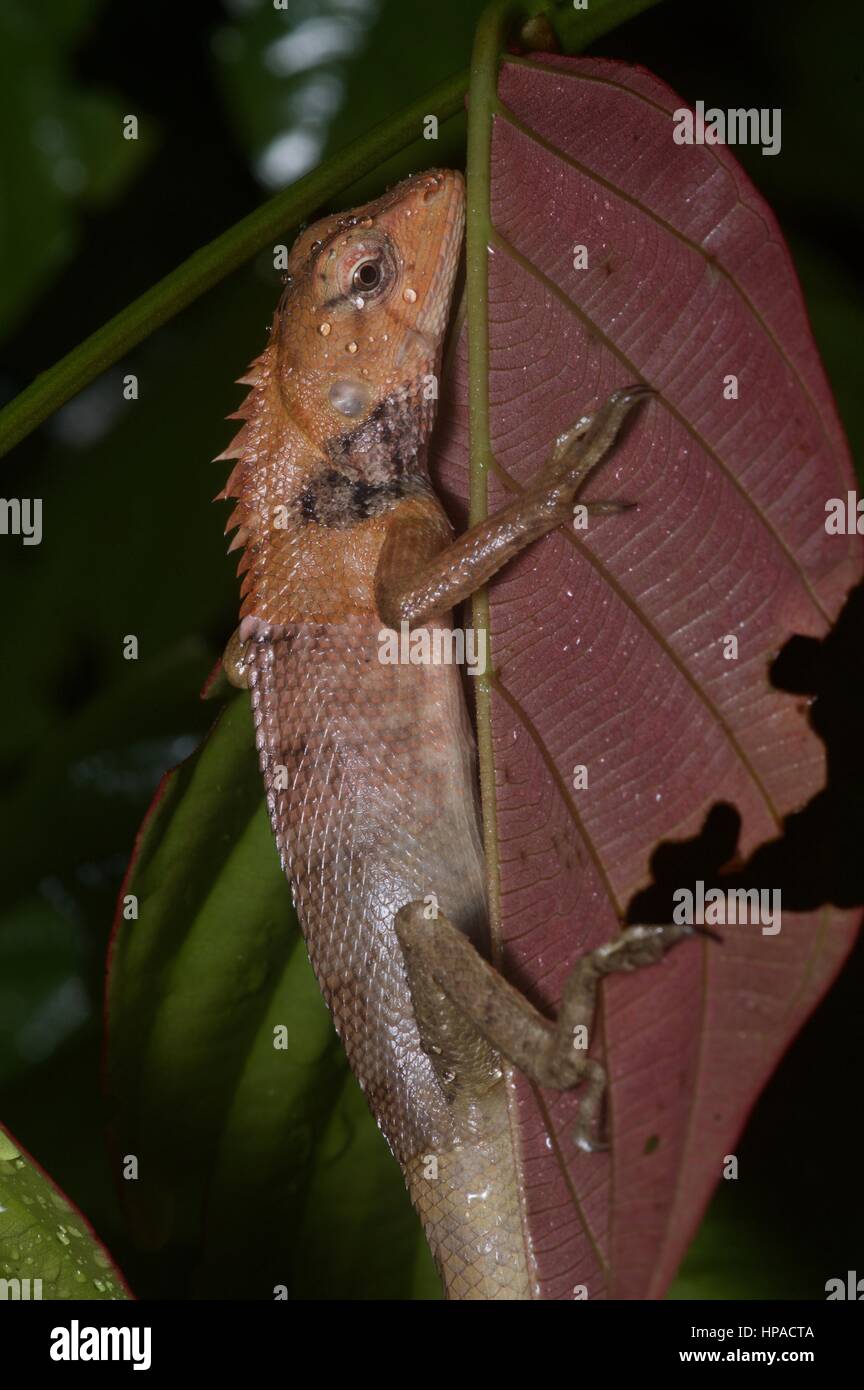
x,y
44,1240
255,1148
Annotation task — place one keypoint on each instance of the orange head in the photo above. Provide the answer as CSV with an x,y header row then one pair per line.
x,y
367,301
341,402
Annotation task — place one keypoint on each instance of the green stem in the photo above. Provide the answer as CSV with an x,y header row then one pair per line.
x,y
218,258
575,28
489,40
213,262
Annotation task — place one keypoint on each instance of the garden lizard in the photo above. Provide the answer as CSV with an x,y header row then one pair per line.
x,y
369,767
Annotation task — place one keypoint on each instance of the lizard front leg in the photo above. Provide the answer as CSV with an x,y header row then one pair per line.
x,y
461,1002
406,592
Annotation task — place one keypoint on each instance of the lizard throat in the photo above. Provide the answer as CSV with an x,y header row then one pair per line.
x,y
370,469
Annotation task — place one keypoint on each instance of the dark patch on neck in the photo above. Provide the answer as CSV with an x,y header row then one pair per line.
x,y
372,467
338,500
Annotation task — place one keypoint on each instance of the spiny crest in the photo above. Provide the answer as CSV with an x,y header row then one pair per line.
x,y
243,449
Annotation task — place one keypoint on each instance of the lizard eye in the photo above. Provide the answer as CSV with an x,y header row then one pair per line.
x,y
369,269
367,277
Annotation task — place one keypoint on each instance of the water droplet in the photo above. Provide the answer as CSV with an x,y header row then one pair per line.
x,y
8,1150
480,1196
351,347
324,329
410,296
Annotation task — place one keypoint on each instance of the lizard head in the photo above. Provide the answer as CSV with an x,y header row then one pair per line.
x,y
343,399
367,301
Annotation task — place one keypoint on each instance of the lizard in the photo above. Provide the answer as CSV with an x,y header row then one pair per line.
x,y
369,767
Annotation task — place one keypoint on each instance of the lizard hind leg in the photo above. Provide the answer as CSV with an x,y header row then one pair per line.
x,y
462,1002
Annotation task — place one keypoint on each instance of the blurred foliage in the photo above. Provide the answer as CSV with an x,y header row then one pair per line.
x,y
130,546
313,67
68,154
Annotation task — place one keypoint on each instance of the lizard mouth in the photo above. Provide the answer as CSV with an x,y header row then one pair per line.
x,y
439,200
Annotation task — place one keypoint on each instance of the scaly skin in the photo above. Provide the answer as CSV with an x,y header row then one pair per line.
x,y
369,767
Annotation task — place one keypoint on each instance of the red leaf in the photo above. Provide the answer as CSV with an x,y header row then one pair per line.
x,y
608,644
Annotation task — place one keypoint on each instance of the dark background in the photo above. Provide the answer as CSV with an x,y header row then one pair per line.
x,y
87,222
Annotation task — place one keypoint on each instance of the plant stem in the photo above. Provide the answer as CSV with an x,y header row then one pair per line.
x,y
209,265
489,40
575,28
